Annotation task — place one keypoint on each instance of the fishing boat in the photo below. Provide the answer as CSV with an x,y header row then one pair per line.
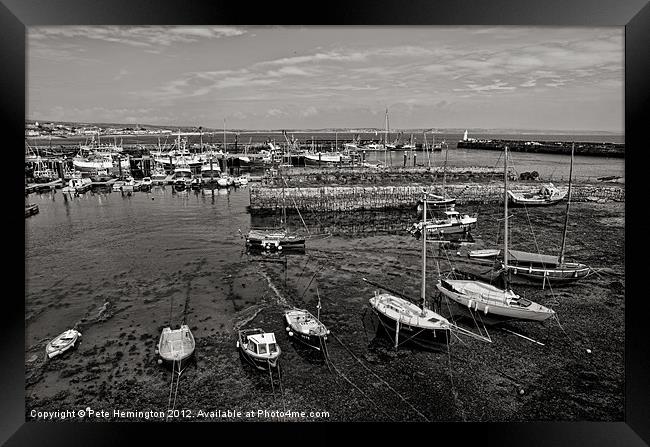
x,y
146,184
258,348
129,184
279,238
324,157
210,170
242,180
159,176
182,174
451,222
548,194
306,328
176,346
417,324
62,342
77,185
502,303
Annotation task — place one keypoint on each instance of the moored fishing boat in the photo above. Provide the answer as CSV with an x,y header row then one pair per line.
x,y
176,346
451,222
258,348
62,342
306,328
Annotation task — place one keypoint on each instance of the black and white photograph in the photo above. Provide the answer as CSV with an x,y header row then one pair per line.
x,y
360,223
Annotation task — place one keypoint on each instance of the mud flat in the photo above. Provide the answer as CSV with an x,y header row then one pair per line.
x,y
510,379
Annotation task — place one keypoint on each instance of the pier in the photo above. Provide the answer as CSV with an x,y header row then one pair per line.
x,y
264,199
548,147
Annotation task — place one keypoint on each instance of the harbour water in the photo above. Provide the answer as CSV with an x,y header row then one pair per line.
x,y
122,266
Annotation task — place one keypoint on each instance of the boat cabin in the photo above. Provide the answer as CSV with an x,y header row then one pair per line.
x,y
261,344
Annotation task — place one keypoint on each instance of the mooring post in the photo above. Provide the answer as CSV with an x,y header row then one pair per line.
x,y
319,159
415,156
404,158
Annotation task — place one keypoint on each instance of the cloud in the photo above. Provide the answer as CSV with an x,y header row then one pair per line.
x,y
275,112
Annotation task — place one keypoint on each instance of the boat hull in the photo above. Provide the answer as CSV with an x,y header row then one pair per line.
x,y
423,337
502,312
553,275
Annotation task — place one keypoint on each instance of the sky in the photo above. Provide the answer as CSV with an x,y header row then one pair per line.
x,y
271,77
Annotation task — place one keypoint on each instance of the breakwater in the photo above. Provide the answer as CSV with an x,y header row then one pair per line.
x,y
369,176
269,199
548,147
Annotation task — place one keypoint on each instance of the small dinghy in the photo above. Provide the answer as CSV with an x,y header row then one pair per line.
x,y
305,327
62,343
175,345
258,348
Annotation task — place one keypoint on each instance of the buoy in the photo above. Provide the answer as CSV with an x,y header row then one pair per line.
x,y
279,247
287,328
238,343
588,351
290,334
160,361
156,351
521,391
486,309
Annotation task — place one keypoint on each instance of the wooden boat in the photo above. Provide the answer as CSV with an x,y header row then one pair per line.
x,y
480,296
62,342
258,348
547,195
31,209
418,325
487,253
175,346
306,328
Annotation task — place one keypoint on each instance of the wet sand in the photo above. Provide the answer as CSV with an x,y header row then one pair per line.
x,y
510,379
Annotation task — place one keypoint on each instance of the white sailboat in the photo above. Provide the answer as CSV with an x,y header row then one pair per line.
x,y
483,297
417,324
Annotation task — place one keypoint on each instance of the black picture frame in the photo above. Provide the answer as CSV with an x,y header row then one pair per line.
x,y
15,15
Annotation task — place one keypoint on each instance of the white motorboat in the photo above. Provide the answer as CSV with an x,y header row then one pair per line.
x,y
176,346
258,348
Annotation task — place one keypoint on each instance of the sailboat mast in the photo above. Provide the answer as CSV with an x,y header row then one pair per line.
x,y
505,215
568,205
424,252
386,138
444,174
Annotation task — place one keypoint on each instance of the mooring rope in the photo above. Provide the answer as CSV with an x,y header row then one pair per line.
x,y
380,379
